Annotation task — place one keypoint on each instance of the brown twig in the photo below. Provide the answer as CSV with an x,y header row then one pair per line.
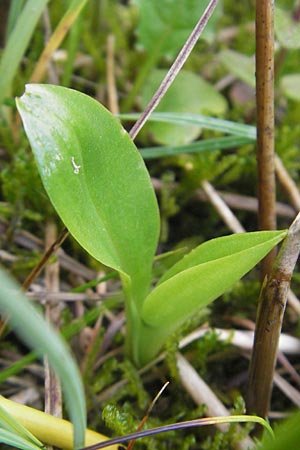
x,y
265,121
287,183
151,406
53,392
270,313
223,210
112,94
44,259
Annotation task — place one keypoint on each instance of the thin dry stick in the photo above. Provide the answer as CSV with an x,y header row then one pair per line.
x,y
53,393
287,183
265,121
270,313
112,94
151,406
223,210
175,68
44,259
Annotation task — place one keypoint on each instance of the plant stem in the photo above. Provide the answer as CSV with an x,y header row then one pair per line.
x,y
265,121
270,313
175,68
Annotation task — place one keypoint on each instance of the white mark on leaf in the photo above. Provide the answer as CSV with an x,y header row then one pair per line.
x,y
76,167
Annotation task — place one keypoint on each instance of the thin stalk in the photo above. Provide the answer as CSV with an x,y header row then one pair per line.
x,y
265,121
270,313
175,68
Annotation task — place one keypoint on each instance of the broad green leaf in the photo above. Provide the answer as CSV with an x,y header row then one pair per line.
x,y
290,85
243,67
188,94
39,335
11,428
94,176
287,30
211,123
168,23
203,275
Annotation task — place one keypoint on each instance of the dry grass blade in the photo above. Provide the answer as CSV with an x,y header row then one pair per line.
x,y
143,421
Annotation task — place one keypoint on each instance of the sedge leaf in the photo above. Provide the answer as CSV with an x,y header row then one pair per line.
x,y
10,428
199,278
39,335
94,176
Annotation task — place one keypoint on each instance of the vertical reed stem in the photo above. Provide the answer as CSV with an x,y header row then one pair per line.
x,y
265,121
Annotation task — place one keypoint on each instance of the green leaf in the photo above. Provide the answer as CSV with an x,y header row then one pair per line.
x,y
290,85
211,123
169,23
203,275
18,41
94,176
188,94
287,30
11,429
287,435
39,335
196,147
243,67
10,438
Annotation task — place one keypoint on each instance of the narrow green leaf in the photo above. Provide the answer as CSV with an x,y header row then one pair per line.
x,y
211,123
18,41
39,335
203,275
94,176
196,147
9,438
11,425
222,247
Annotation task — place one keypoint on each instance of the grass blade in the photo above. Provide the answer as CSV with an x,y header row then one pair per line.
x,y
32,328
196,147
11,425
18,42
210,123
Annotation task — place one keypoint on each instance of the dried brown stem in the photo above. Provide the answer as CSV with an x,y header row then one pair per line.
x,y
44,259
110,76
287,183
270,313
265,120
53,393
